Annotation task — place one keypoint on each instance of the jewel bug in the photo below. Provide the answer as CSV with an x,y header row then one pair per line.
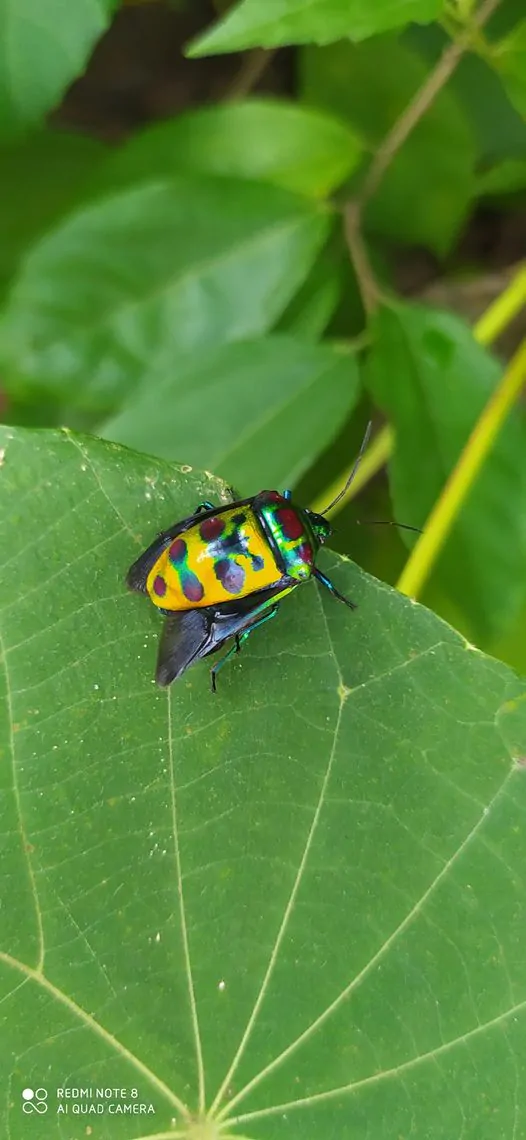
x,y
223,571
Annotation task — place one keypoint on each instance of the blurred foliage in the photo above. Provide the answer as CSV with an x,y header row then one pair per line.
x,y
145,283
237,271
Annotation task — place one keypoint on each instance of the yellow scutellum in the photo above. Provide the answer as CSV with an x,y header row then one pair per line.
x,y
490,325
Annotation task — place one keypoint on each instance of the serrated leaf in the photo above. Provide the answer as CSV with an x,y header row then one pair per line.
x,y
426,191
138,279
272,23
254,412
307,891
269,139
43,47
433,380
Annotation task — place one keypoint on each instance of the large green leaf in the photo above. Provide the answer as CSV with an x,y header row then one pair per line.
x,y
43,47
306,891
257,412
134,280
433,380
295,147
271,23
427,189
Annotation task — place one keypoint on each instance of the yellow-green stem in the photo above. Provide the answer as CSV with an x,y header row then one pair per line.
x,y
493,321
503,310
373,460
460,482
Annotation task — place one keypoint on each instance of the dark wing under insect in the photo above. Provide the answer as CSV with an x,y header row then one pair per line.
x,y
190,635
184,639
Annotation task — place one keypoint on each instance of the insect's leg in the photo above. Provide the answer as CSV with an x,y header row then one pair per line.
x,y
240,638
204,506
330,586
215,670
287,494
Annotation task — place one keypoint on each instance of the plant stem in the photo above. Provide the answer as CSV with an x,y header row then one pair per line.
x,y
253,66
460,482
490,325
392,143
503,310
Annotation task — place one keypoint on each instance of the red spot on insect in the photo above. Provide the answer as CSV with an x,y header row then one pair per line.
x,y
192,588
289,522
177,551
211,528
306,553
159,586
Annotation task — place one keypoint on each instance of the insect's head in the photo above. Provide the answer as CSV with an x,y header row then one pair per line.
x,y
320,526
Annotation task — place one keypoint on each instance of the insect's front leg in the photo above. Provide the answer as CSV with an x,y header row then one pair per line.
x,y
330,586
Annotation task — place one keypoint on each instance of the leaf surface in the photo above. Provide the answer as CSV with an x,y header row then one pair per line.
x,y
510,59
433,380
42,177
139,278
306,891
257,412
272,23
43,47
426,191
301,149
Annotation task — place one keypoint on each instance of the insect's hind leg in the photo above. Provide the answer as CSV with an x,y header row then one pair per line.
x,y
236,648
204,506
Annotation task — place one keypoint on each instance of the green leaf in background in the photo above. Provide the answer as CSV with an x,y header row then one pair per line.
x,y
300,149
505,178
256,412
498,129
272,23
42,178
432,379
44,45
510,59
425,194
306,891
311,309
137,279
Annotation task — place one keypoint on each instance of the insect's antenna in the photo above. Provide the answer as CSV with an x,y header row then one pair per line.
x,y
387,522
355,467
